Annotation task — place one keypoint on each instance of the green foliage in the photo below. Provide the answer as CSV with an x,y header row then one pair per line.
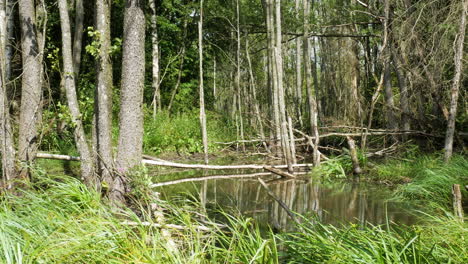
x,y
181,133
441,241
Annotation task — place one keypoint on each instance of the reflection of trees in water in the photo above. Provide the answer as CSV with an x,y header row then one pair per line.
x,y
349,203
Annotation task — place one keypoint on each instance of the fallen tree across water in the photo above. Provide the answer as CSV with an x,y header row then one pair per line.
x,y
217,177
160,162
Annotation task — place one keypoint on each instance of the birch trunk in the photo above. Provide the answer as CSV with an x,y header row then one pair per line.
x,y
103,95
155,57
31,90
69,82
130,148
238,76
298,69
458,61
202,93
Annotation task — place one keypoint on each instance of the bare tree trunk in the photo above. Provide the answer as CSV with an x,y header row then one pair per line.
x,y
273,82
313,116
78,37
181,66
103,95
254,97
130,148
404,105
155,57
31,90
87,170
7,149
238,76
280,88
388,92
458,61
298,69
202,92
10,26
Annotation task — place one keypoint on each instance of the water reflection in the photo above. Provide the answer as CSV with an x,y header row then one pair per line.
x,y
336,203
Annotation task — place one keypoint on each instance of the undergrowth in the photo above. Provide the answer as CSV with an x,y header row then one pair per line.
x,y
443,240
61,221
181,133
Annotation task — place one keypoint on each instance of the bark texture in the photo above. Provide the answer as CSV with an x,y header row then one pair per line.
x,y
103,95
129,151
87,168
31,90
202,92
155,56
458,61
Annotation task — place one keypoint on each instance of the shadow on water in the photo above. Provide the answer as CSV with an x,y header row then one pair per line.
x,y
331,203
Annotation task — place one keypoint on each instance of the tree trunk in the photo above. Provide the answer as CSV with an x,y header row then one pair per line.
x,y
87,170
386,59
78,37
280,88
155,57
31,90
458,61
129,151
181,66
238,76
103,95
202,92
7,149
298,54
10,26
308,82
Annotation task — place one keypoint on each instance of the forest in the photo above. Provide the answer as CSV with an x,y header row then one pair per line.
x,y
240,131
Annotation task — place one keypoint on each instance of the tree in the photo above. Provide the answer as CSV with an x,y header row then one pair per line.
x,y
31,86
155,55
129,150
201,89
103,95
87,168
458,62
7,149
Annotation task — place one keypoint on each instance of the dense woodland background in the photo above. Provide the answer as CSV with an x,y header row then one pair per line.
x,y
99,74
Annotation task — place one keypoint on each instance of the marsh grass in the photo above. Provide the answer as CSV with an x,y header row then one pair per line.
x,y
443,240
59,220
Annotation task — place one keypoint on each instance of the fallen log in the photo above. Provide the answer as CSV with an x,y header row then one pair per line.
x,y
215,177
172,226
219,167
160,162
279,172
57,156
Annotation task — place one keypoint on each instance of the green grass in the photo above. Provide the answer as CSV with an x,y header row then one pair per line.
x,y
61,221
181,133
426,178
443,240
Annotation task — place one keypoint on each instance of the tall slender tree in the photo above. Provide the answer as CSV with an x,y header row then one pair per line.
x,y
87,168
458,62
130,148
155,57
201,88
103,95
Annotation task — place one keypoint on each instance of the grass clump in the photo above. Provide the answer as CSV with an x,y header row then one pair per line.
x,y
61,221
427,178
442,241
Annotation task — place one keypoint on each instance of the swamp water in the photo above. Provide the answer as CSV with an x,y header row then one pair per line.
x,y
330,202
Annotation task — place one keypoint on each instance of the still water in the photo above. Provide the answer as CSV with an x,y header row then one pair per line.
x,y
329,202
